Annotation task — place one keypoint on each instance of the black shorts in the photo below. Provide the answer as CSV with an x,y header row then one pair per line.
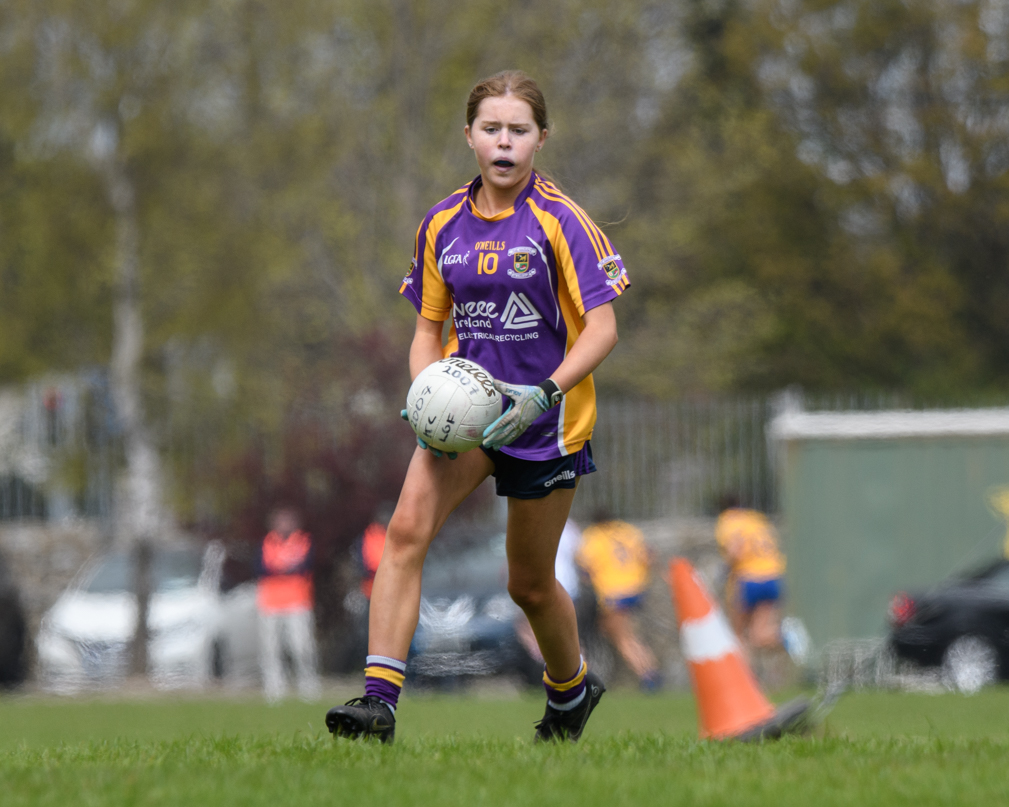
x,y
534,479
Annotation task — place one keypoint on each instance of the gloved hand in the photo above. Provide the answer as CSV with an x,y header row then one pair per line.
x,y
527,404
451,454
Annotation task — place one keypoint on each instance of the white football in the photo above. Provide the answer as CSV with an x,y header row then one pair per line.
x,y
451,402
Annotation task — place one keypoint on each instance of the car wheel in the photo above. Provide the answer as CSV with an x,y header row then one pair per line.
x,y
969,664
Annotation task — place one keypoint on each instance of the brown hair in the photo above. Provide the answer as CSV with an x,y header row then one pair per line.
x,y
508,82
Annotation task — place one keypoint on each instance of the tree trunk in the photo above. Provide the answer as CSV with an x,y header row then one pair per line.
x,y
142,555
139,520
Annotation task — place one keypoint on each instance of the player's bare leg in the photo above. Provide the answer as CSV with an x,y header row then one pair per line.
x,y
765,626
534,531
734,610
772,665
618,627
433,488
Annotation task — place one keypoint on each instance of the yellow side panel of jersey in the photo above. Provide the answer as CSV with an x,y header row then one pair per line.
x,y
578,414
436,303
578,417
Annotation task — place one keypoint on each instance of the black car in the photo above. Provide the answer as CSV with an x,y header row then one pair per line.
x,y
960,627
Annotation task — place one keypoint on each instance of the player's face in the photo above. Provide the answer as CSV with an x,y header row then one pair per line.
x,y
505,138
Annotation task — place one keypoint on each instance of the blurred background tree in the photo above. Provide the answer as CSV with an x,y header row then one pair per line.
x,y
808,193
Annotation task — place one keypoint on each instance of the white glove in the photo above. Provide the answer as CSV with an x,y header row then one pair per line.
x,y
527,404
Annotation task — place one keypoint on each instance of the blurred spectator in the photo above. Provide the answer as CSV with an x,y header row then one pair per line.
x,y
566,573
754,588
617,560
285,601
370,546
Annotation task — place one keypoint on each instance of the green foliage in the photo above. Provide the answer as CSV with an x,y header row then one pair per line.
x,y
778,173
808,193
54,274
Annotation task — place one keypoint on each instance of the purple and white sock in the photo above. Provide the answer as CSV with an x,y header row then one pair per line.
x,y
383,677
565,695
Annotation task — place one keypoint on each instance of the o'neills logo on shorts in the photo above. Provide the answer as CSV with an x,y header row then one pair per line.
x,y
563,476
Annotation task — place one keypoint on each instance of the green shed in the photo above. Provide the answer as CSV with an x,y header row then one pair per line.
x,y
877,502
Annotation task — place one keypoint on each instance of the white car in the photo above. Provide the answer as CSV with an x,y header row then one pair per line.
x,y
197,631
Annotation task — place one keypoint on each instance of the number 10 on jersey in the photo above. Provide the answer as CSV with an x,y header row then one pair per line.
x,y
487,265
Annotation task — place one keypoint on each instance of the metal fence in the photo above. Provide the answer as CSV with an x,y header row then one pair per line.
x,y
676,458
58,448
656,458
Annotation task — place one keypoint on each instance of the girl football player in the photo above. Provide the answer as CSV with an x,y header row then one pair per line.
x,y
526,281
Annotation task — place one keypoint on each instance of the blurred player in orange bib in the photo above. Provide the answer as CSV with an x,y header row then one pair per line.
x,y
754,589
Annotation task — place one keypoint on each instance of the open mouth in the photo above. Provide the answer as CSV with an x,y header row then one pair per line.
x,y
504,163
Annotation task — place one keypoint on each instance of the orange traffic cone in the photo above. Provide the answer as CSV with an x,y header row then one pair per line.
x,y
730,704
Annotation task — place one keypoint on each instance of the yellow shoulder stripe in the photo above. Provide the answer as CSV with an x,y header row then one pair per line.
x,y
599,241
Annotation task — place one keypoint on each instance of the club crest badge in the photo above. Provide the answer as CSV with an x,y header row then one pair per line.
x,y
521,267
406,278
613,271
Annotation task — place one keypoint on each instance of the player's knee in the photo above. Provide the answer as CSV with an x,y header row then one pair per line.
x,y
531,595
405,542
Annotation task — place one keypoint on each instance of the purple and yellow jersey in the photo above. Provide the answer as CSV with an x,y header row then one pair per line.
x,y
516,286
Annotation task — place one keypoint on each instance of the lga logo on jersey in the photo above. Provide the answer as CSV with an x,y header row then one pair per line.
x,y
406,278
448,259
456,259
521,267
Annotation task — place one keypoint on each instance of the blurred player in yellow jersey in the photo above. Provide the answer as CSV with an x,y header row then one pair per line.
x,y
616,559
754,589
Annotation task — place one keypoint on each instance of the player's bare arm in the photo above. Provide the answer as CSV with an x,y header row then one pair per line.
x,y
426,346
590,348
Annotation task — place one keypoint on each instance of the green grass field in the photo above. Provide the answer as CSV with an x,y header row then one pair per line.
x,y
875,748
